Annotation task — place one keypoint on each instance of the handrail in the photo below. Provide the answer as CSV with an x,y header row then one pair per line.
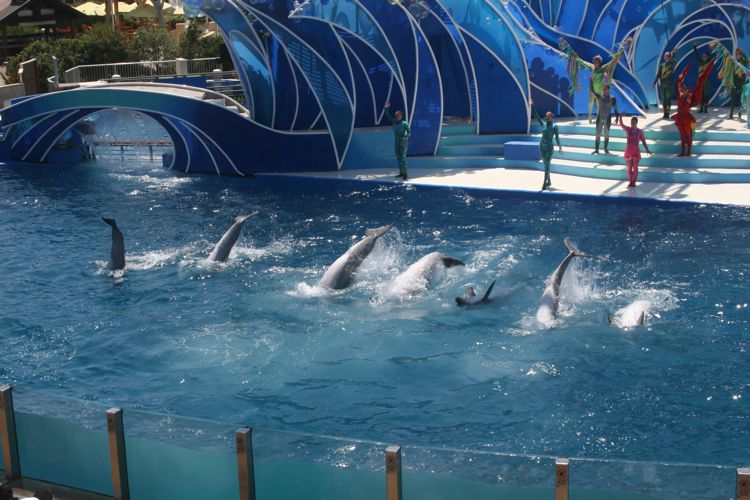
x,y
94,72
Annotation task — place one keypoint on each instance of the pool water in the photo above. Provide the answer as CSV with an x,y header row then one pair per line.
x,y
255,341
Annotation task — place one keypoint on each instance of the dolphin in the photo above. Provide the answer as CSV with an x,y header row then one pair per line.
x,y
225,244
418,276
341,273
551,297
631,315
117,258
470,297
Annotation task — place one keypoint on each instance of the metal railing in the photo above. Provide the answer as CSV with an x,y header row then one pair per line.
x,y
552,475
141,69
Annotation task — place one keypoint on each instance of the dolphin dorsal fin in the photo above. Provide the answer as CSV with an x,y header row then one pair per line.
x,y
642,318
488,292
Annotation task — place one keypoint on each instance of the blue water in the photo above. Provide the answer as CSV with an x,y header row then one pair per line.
x,y
254,341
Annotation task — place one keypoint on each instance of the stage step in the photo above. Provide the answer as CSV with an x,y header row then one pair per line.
x,y
494,146
676,174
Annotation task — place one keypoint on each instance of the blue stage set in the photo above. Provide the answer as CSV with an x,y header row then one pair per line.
x,y
316,76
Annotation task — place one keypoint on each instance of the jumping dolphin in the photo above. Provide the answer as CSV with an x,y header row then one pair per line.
x,y
342,271
225,244
551,297
418,276
631,315
470,297
117,259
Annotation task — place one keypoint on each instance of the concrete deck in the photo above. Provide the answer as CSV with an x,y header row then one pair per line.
x,y
530,181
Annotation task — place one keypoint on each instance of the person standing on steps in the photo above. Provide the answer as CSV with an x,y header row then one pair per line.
x,y
665,79
601,74
703,61
738,83
632,149
401,134
686,99
604,106
549,130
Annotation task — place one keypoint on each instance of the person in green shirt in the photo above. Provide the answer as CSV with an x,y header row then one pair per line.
x,y
549,130
665,79
601,74
401,133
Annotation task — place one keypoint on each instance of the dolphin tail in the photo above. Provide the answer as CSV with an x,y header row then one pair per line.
x,y
486,297
641,318
111,222
378,231
573,249
450,262
243,218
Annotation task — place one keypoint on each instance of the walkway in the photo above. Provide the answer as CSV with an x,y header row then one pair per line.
x,y
496,173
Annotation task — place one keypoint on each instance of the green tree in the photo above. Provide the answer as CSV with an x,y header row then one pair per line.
x,y
152,44
195,46
102,44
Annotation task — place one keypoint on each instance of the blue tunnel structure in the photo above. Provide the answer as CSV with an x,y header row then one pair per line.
x,y
317,74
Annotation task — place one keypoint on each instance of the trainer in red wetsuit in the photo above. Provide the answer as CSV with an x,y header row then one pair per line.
x,y
683,119
633,149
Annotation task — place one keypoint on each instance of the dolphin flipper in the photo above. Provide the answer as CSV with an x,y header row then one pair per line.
x,y
450,262
117,254
641,318
243,218
378,231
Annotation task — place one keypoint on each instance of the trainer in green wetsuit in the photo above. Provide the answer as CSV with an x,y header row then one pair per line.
x,y
401,133
549,130
665,79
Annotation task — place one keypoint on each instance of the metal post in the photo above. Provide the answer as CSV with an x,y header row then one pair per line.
x,y
117,458
393,473
561,479
245,464
743,483
8,434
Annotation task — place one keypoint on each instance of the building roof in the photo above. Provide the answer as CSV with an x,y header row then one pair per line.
x,y
38,13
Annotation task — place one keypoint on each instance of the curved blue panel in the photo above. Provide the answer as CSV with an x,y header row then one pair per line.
x,y
453,73
251,147
378,72
468,68
38,151
308,110
492,29
286,87
427,115
249,61
29,132
198,158
366,110
179,142
352,17
328,87
424,109
321,37
497,90
585,49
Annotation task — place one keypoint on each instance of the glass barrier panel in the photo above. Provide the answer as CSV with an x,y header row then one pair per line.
x,y
174,457
623,480
291,466
446,474
63,441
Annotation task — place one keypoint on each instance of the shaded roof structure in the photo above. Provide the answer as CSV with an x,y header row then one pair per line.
x,y
43,13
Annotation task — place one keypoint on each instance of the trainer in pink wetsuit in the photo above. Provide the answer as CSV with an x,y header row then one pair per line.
x,y
633,151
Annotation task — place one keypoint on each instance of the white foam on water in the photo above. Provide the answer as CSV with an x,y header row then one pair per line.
x,y
306,291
